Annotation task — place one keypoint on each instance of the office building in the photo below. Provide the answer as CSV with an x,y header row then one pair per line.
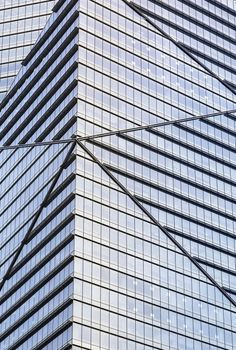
x,y
21,23
117,179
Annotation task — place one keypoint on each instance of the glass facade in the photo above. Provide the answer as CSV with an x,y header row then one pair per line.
x,y
206,29
117,176
21,21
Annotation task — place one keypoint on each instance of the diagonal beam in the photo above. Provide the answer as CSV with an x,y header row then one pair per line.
x,y
153,219
156,125
35,144
140,10
124,131
44,202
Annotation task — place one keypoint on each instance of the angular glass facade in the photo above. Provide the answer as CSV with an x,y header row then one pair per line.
x,y
21,21
206,31
117,175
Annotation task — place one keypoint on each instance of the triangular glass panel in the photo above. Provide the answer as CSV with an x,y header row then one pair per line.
x,y
201,37
28,179
108,240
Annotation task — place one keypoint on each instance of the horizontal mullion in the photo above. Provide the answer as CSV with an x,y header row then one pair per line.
x,y
211,59
35,288
55,120
63,186
179,214
16,20
23,4
165,154
215,266
186,32
38,172
194,20
128,83
158,168
23,260
209,13
41,103
35,64
22,136
201,241
41,324
194,148
34,79
33,310
144,258
32,272
144,280
197,83
52,214
220,126
176,194
54,335
51,29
